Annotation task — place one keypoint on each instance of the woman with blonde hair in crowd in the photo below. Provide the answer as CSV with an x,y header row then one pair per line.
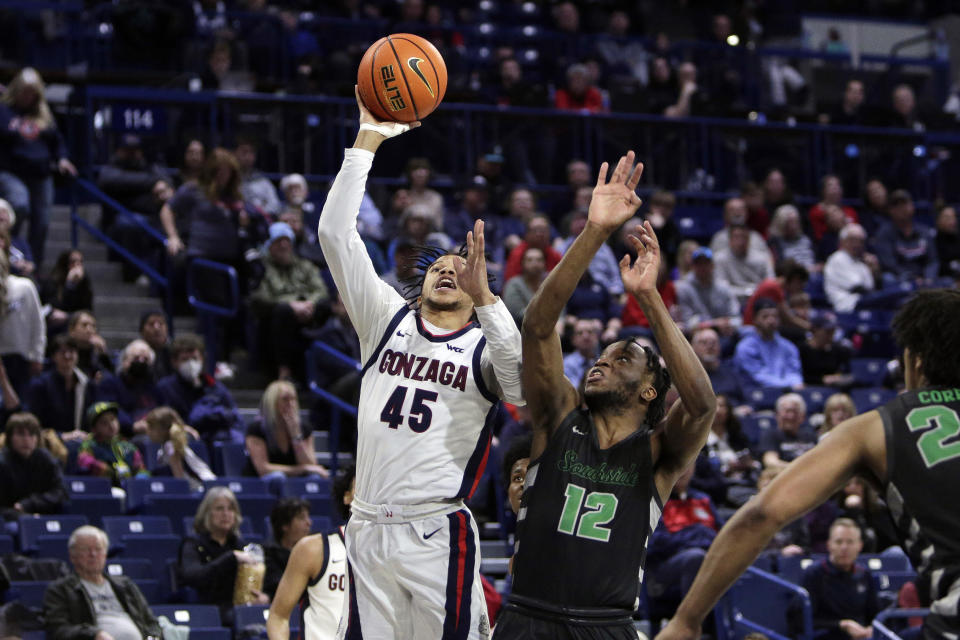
x,y
175,456
31,147
278,443
23,336
838,407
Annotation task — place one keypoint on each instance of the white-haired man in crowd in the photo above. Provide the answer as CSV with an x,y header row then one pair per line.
x,y
850,271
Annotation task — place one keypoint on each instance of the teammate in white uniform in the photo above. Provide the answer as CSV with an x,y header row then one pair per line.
x,y
430,383
315,577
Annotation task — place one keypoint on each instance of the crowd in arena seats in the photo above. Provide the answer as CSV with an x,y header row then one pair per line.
x,y
779,304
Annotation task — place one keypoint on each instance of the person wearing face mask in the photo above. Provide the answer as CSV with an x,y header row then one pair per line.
x,y
206,403
133,388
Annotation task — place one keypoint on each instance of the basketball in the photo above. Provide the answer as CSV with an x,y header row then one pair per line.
x,y
402,78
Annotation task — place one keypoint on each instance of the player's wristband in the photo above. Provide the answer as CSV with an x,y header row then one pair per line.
x,y
386,130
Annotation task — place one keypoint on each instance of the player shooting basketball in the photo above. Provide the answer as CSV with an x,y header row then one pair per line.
x,y
430,384
598,477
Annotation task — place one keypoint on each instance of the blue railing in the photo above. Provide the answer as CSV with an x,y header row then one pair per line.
x,y
880,629
307,134
736,605
338,407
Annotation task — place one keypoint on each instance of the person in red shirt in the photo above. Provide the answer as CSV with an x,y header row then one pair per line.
x,y
537,235
633,316
579,94
831,192
790,278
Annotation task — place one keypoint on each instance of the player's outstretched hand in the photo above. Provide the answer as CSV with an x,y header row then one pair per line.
x,y
642,276
472,273
615,202
385,128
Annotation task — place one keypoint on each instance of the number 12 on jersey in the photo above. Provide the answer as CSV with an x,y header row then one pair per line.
x,y
600,510
420,413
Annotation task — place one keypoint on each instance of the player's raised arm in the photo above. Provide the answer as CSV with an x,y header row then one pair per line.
x,y
856,446
689,420
362,291
549,394
305,557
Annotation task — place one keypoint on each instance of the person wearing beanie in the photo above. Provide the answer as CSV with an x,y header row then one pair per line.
x,y
104,453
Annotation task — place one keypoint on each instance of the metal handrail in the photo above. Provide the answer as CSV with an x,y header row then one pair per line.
x,y
338,406
200,305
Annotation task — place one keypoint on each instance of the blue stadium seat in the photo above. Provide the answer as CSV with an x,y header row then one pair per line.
x,y
87,485
753,426
892,581
318,524
6,544
868,372
763,397
240,486
815,397
871,397
138,489
121,528
28,593
95,507
307,487
174,507
791,569
256,508
229,459
133,568
256,614
758,602
191,615
33,528
52,547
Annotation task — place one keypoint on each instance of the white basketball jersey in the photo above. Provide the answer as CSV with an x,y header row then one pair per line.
x,y
322,604
424,415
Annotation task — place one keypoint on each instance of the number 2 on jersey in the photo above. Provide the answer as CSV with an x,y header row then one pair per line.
x,y
602,507
420,413
931,444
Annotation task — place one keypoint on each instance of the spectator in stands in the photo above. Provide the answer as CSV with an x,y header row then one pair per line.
x,y
836,409
278,442
404,265
792,437
129,179
948,242
513,90
578,175
633,316
475,204
703,301
91,604
906,249
30,148
23,335
133,388
660,92
518,292
578,94
30,479
831,193
791,278
21,259
741,269
723,379
604,267
176,457
726,443
688,525
590,299
850,110
191,166
9,398
758,218
103,453
764,358
217,67
787,240
300,214
826,361
860,502
92,356
419,173
624,58
67,289
735,215
660,215
209,558
290,522
154,331
835,221
256,188
849,273
684,258
586,347
843,594
521,206
291,300
59,397
691,99
876,204
489,170
775,190
903,112
206,403
800,306
537,234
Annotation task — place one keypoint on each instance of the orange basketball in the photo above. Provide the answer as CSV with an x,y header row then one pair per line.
x,y
402,78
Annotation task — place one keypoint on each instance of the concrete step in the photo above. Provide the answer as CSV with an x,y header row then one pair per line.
x,y
93,251
103,272
123,306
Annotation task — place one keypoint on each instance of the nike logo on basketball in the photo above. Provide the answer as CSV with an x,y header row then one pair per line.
x,y
427,536
414,64
577,431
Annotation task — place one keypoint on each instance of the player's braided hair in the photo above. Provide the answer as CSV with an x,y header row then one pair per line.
x,y
661,383
928,325
423,257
